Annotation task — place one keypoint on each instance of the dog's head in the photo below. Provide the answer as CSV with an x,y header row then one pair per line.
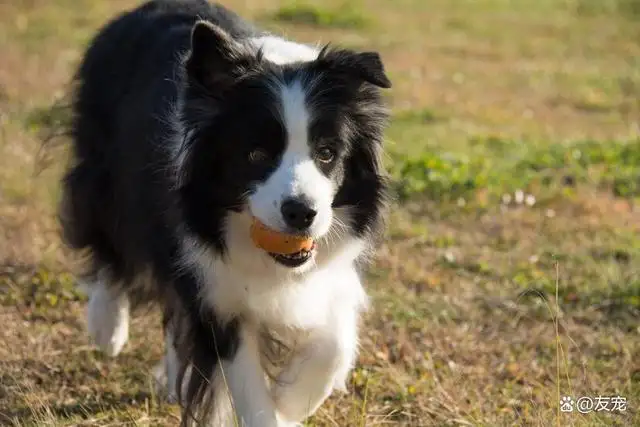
x,y
295,144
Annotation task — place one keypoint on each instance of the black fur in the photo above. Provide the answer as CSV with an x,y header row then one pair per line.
x,y
126,204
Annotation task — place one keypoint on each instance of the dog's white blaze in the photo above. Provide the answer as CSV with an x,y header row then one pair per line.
x,y
297,175
296,118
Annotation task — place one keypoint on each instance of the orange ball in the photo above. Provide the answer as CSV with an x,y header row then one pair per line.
x,y
278,243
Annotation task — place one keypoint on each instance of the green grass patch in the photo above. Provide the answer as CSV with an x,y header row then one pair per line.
x,y
496,167
55,118
629,9
37,289
347,15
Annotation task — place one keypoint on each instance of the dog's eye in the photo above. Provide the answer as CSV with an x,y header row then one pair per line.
x,y
325,155
258,156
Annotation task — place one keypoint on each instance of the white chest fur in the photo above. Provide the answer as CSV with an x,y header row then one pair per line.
x,y
247,284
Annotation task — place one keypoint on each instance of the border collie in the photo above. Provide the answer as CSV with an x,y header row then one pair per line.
x,y
188,123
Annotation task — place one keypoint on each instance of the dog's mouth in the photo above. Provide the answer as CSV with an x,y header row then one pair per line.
x,y
296,259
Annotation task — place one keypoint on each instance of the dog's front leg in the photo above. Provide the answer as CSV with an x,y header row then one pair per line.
x,y
320,365
245,381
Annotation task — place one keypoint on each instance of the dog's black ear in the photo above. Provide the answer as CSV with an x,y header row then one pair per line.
x,y
365,66
215,58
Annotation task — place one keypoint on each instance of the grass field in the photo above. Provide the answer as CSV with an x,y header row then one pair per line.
x,y
510,275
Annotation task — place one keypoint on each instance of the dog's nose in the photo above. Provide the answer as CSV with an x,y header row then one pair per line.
x,y
297,214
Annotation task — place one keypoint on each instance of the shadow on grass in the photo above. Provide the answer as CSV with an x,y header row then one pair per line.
x,y
29,414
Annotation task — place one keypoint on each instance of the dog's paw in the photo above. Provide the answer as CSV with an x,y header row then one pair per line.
x,y
287,405
108,321
292,405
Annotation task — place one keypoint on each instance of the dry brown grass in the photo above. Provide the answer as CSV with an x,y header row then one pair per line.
x,y
454,338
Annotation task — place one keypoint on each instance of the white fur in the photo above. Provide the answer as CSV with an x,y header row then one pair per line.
x,y
246,384
107,318
321,363
281,51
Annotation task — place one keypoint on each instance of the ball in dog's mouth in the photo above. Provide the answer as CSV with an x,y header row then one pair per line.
x,y
289,250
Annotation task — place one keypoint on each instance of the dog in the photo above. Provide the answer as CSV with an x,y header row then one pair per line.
x,y
188,123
